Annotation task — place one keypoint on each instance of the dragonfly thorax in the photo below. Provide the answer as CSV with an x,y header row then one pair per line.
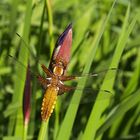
x,y
58,70
54,81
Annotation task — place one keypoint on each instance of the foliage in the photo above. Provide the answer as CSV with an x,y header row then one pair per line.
x,y
105,36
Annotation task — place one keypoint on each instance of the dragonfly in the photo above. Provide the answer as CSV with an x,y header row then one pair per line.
x,y
56,74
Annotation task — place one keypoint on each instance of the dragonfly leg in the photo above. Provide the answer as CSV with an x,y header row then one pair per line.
x,y
47,71
44,82
65,88
67,78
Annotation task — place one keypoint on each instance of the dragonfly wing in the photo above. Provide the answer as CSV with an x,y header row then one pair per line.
x,y
99,74
22,66
34,58
92,95
64,88
29,48
88,94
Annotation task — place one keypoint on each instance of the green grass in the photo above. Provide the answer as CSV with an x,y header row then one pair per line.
x,y
105,35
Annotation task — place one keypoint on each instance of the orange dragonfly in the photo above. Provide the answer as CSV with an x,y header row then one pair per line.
x,y
56,73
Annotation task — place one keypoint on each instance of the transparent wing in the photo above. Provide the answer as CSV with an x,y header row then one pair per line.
x,y
98,73
89,95
94,75
22,66
31,50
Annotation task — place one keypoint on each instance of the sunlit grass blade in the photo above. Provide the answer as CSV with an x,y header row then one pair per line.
x,y
100,106
128,90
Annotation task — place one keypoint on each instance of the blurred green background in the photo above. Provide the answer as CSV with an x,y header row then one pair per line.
x,y
105,35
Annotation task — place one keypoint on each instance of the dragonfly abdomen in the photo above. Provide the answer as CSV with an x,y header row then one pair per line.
x,y
49,102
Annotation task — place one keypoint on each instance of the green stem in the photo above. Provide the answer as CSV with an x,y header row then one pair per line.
x,y
43,131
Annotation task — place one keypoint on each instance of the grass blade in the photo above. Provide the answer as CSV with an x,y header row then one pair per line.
x,y
100,106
